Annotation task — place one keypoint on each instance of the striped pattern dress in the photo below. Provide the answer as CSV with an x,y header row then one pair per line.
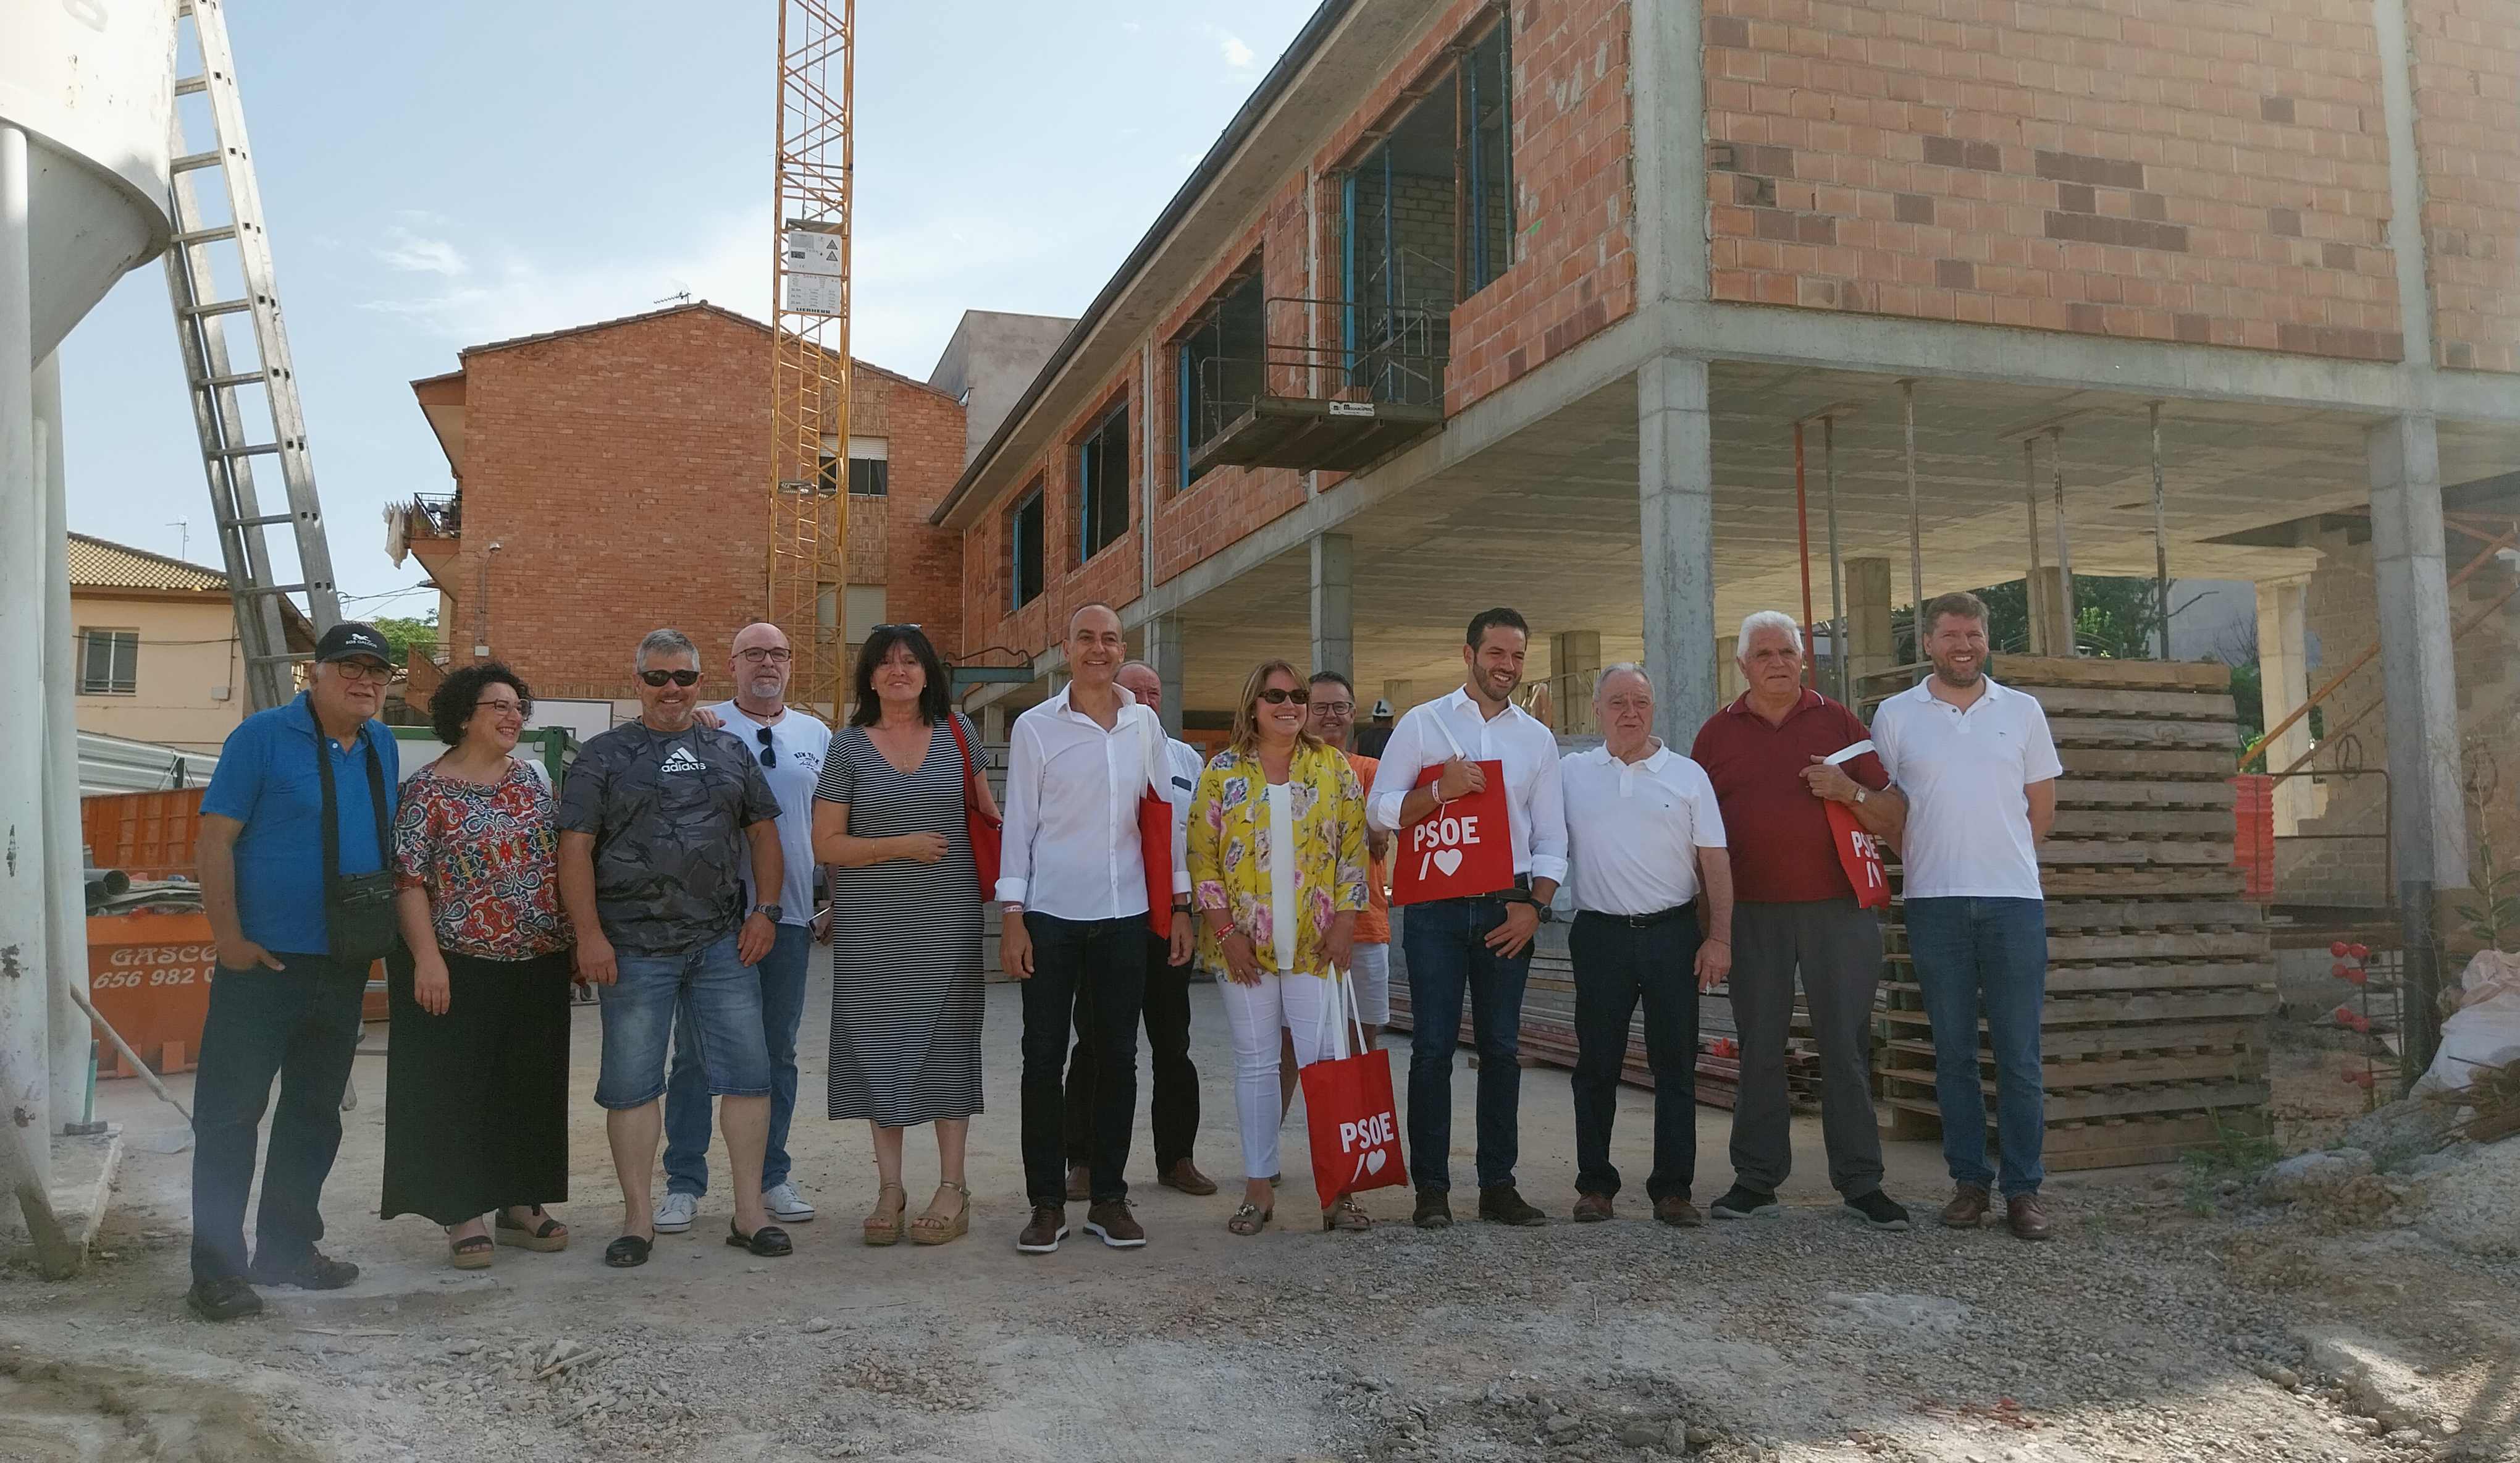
x,y
907,990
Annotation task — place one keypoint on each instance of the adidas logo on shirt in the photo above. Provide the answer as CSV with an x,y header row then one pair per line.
x,y
680,760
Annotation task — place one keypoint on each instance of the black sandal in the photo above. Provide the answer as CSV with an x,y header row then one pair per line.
x,y
769,1240
626,1252
547,1235
472,1253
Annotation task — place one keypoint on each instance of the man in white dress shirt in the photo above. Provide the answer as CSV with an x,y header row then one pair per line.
x,y
1480,945
1072,888
1644,837
1979,771
1173,1109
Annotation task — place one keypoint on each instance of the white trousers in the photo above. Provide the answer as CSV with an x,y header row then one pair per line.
x,y
1307,1008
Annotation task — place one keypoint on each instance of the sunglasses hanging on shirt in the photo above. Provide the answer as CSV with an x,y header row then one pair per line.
x,y
769,757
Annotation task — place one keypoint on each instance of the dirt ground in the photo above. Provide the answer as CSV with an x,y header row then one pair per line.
x,y
2147,1331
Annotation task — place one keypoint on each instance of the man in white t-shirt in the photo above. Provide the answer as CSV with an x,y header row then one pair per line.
x,y
1979,771
790,745
1644,836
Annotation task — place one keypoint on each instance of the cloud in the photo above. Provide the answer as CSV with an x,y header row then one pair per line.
x,y
409,252
1237,54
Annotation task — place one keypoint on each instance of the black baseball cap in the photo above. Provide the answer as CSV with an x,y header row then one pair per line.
x,y
351,638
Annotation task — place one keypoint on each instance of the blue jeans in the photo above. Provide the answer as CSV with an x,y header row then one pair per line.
x,y
688,1113
1445,940
704,989
1970,954
300,1025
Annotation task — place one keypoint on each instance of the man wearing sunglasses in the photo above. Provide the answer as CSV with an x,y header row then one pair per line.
x,y
660,820
790,745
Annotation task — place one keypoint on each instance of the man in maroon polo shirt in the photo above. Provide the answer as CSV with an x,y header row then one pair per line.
x,y
1767,756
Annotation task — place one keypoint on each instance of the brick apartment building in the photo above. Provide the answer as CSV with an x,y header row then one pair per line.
x,y
610,478
1479,302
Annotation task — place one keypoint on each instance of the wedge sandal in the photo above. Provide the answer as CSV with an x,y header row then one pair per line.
x,y
546,1233
932,1228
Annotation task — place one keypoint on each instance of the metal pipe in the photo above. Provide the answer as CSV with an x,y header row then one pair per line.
x,y
1916,529
24,999
73,1087
2065,547
2160,535
1802,534
2029,495
1836,598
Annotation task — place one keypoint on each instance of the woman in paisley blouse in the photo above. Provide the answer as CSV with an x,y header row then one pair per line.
x,y
477,1086
1278,869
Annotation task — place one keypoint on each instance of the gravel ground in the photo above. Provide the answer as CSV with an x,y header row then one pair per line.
x,y
2144,1332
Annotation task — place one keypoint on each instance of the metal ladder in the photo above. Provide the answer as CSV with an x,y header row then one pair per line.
x,y
219,415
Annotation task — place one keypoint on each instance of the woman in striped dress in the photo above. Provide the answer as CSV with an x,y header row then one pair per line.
x,y
905,984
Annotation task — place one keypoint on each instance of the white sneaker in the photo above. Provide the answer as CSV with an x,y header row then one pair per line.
x,y
676,1212
785,1205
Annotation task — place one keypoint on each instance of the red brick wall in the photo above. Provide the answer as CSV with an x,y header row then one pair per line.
x,y
2466,72
2162,170
923,579
621,471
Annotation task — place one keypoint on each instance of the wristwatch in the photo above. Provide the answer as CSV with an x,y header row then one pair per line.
x,y
772,910
1861,793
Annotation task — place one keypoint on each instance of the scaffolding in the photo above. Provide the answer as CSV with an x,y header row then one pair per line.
x,y
809,366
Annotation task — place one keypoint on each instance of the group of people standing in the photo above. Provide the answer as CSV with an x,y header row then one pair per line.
x,y
677,873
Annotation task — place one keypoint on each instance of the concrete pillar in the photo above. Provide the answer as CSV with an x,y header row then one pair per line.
x,y
2283,684
25,1091
65,882
992,722
1164,653
1872,642
1334,604
1401,694
1728,669
1574,663
1676,516
2051,631
2428,823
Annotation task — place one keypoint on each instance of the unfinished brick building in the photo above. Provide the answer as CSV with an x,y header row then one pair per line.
x,y
1480,302
609,479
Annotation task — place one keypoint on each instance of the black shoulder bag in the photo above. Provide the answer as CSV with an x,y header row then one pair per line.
x,y
359,908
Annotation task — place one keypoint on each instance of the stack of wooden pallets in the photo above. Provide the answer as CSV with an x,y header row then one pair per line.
x,y
2161,982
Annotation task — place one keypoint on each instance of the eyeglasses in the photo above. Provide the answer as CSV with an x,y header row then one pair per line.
x,y
776,654
1279,698
907,625
678,678
769,758
1336,707
363,670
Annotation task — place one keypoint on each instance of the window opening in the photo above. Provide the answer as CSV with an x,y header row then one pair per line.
x,y
1220,365
1102,485
108,662
1023,542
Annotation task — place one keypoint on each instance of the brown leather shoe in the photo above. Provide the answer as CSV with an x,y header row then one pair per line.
x,y
1113,1224
2026,1215
1184,1176
1080,1183
1968,1206
1678,1211
1592,1208
1048,1228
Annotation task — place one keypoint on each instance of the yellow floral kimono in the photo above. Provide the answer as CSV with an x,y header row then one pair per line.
x,y
1228,851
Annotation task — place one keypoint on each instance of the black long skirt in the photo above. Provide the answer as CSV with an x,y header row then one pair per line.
x,y
477,1100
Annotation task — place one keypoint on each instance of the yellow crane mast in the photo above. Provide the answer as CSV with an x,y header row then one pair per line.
x,y
809,348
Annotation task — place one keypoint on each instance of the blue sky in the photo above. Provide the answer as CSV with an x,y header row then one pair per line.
x,y
474,169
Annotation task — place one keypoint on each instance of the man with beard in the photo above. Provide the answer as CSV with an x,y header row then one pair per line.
x,y
1480,944
790,745
658,821
1979,772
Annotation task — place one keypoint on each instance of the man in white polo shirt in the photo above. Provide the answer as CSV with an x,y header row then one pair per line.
x,y
1643,835
1979,771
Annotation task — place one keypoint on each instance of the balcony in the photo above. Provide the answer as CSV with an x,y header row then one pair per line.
x,y
1331,384
430,527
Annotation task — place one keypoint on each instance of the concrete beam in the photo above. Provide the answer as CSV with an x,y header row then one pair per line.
x,y
2429,826
1667,77
1333,599
2405,180
2052,615
1675,514
1163,640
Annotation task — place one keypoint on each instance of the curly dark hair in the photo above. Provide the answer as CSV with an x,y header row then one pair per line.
x,y
936,699
459,696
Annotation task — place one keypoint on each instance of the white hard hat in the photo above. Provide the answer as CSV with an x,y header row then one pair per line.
x,y
1381,707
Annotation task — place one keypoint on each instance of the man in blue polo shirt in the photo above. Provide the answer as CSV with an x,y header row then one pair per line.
x,y
282,1003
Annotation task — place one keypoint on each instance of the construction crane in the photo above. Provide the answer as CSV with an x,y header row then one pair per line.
x,y
219,235
809,349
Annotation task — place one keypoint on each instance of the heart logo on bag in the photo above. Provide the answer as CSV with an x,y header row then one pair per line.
x,y
1374,1162
1448,859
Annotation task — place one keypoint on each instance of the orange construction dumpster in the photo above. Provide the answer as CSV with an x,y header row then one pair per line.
x,y
146,835
150,976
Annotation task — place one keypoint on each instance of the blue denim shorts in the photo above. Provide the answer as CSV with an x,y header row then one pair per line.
x,y
716,995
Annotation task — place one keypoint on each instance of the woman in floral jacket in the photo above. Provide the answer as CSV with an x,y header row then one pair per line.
x,y
1278,869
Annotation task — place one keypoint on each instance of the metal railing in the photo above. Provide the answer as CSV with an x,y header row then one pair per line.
x,y
438,515
1394,355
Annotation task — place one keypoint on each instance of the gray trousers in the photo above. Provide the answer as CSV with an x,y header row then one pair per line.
x,y
1836,947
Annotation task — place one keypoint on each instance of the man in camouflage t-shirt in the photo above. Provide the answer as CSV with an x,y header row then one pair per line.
x,y
654,819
